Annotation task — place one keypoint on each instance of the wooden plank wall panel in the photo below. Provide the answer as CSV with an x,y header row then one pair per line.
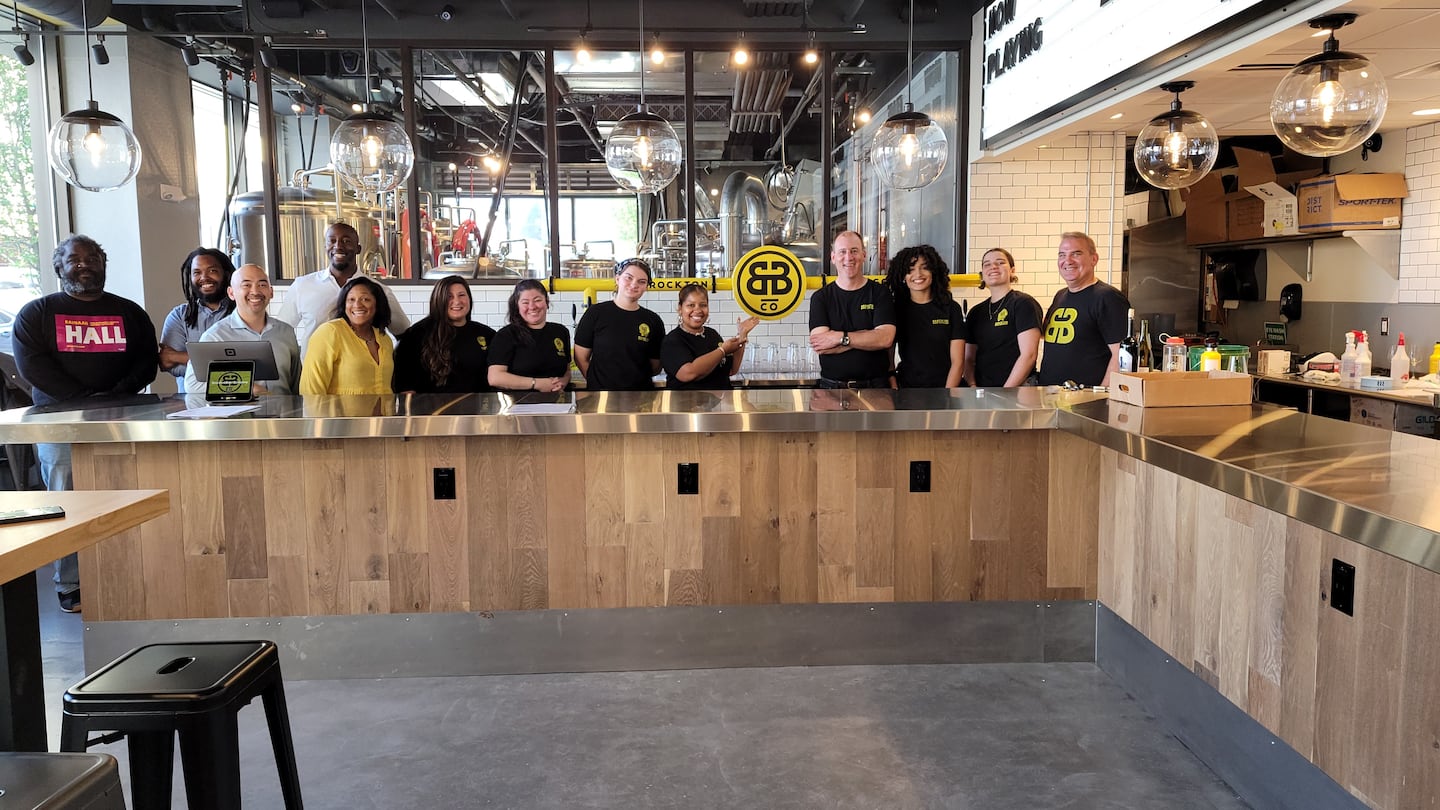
x,y
799,518
449,545
1249,608
164,559
759,512
324,526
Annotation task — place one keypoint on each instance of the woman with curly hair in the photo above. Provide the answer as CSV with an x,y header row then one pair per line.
x,y
445,352
931,325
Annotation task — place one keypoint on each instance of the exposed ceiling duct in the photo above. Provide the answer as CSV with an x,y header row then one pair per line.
x,y
73,12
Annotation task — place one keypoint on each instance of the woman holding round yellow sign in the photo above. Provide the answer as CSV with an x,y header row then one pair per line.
x,y
693,354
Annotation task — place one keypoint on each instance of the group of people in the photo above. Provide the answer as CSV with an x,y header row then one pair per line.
x,y
858,325
334,334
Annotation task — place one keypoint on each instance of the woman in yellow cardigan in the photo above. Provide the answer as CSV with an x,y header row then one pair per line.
x,y
352,354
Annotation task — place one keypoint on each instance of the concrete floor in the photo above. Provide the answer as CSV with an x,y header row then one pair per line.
x,y
945,736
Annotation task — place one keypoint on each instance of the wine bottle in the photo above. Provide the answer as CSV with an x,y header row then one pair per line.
x,y
1129,348
1144,352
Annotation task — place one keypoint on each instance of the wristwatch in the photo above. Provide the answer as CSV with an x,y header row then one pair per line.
x,y
844,338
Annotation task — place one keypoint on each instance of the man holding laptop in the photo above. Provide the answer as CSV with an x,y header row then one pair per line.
x,y
249,323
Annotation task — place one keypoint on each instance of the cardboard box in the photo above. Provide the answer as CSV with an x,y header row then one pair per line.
x,y
1279,215
1263,206
1181,388
1176,421
1205,211
1244,212
1417,420
1351,202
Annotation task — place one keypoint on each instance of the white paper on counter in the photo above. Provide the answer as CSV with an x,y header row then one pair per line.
x,y
539,407
212,412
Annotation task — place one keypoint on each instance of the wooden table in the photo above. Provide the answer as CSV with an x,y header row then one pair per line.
x,y
89,518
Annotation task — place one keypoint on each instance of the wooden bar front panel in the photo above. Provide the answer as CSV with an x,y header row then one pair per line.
x,y
1239,594
350,526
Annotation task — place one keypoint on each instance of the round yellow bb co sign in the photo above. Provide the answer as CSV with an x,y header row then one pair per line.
x,y
769,282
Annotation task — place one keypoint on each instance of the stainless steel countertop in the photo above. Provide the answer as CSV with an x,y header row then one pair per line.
x,y
1371,485
1407,396
144,418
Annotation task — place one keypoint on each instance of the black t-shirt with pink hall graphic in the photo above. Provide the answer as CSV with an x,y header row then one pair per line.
x,y
622,345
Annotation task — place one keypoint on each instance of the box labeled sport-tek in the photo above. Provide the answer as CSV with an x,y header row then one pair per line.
x,y
1168,389
1351,202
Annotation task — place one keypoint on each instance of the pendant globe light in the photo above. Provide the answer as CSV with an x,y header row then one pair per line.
x,y
1176,148
90,148
370,150
909,150
643,153
1331,102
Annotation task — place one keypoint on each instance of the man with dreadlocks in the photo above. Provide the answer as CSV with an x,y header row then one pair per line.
x,y
204,278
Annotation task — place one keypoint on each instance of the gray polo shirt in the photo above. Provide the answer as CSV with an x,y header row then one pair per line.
x,y
281,337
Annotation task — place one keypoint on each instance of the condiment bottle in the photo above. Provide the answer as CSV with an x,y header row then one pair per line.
x,y
1400,362
1349,363
1364,363
1435,359
1210,358
1175,352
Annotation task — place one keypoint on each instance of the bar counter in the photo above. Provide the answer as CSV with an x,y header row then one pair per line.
x,y
1212,532
147,418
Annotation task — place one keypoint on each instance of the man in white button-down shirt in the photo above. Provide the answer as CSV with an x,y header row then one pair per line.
x,y
310,301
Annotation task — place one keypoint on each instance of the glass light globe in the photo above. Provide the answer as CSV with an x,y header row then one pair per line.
x,y
643,153
1329,104
94,150
909,150
372,152
1176,149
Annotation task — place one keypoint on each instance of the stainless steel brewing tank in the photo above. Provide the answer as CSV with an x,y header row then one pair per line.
x,y
304,215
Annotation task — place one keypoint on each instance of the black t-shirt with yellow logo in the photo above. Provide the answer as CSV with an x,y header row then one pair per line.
x,y
543,352
924,336
994,329
1079,329
469,360
622,344
853,311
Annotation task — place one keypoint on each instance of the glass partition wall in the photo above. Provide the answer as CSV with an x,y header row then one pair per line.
x,y
510,178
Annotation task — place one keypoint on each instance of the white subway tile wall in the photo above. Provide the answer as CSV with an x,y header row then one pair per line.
x,y
1420,237
1023,204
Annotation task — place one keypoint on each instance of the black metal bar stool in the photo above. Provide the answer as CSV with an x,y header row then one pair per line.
x,y
60,782
196,690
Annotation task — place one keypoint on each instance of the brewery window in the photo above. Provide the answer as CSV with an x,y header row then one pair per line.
x,y
212,165
19,224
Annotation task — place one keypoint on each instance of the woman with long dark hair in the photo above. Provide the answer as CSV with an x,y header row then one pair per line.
x,y
445,352
529,353
931,325
204,277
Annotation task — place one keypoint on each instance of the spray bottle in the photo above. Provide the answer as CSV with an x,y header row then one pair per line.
x,y
1364,362
1400,363
1349,369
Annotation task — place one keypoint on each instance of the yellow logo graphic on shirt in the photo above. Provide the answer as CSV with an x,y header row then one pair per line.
x,y
867,306
1002,318
483,343
769,282
560,347
940,322
1061,326
644,332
